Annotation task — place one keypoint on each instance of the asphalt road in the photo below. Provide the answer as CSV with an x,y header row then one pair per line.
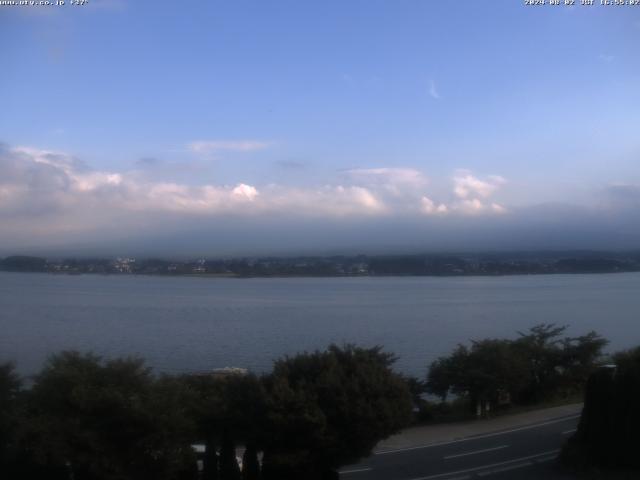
x,y
525,452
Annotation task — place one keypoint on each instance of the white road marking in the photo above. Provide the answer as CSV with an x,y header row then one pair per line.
x,y
356,470
547,459
475,452
504,469
567,432
489,466
467,439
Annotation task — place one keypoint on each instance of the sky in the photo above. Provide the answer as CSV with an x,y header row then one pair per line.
x,y
271,126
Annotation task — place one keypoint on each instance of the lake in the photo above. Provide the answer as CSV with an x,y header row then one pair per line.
x,y
182,324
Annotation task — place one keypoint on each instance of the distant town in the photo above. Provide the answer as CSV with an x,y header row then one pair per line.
x,y
521,263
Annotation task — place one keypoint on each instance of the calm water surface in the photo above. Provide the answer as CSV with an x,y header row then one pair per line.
x,y
187,324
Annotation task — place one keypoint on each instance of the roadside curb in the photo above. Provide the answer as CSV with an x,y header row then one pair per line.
x,y
430,435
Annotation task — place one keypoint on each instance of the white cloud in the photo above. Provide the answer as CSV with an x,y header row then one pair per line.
x,y
466,185
476,207
214,146
44,193
394,180
400,188
497,208
363,197
327,201
39,181
433,91
246,191
471,206
429,207
47,157
472,193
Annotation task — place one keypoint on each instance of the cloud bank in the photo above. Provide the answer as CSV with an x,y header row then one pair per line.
x,y
41,182
51,198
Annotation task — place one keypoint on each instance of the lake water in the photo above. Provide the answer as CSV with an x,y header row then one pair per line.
x,y
190,324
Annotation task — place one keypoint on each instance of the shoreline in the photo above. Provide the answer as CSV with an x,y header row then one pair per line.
x,y
281,276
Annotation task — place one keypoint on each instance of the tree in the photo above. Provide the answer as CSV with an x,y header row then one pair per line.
x,y
204,409
328,409
9,390
494,369
21,263
108,420
450,374
580,356
541,349
483,373
226,409
416,388
537,365
440,378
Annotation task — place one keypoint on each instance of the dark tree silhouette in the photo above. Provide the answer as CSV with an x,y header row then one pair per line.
x,y
229,469
9,417
536,366
328,409
101,419
210,461
226,408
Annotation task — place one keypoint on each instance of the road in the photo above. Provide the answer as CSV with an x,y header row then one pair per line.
x,y
523,452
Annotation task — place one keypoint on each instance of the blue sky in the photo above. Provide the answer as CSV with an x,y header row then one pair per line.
x,y
287,102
